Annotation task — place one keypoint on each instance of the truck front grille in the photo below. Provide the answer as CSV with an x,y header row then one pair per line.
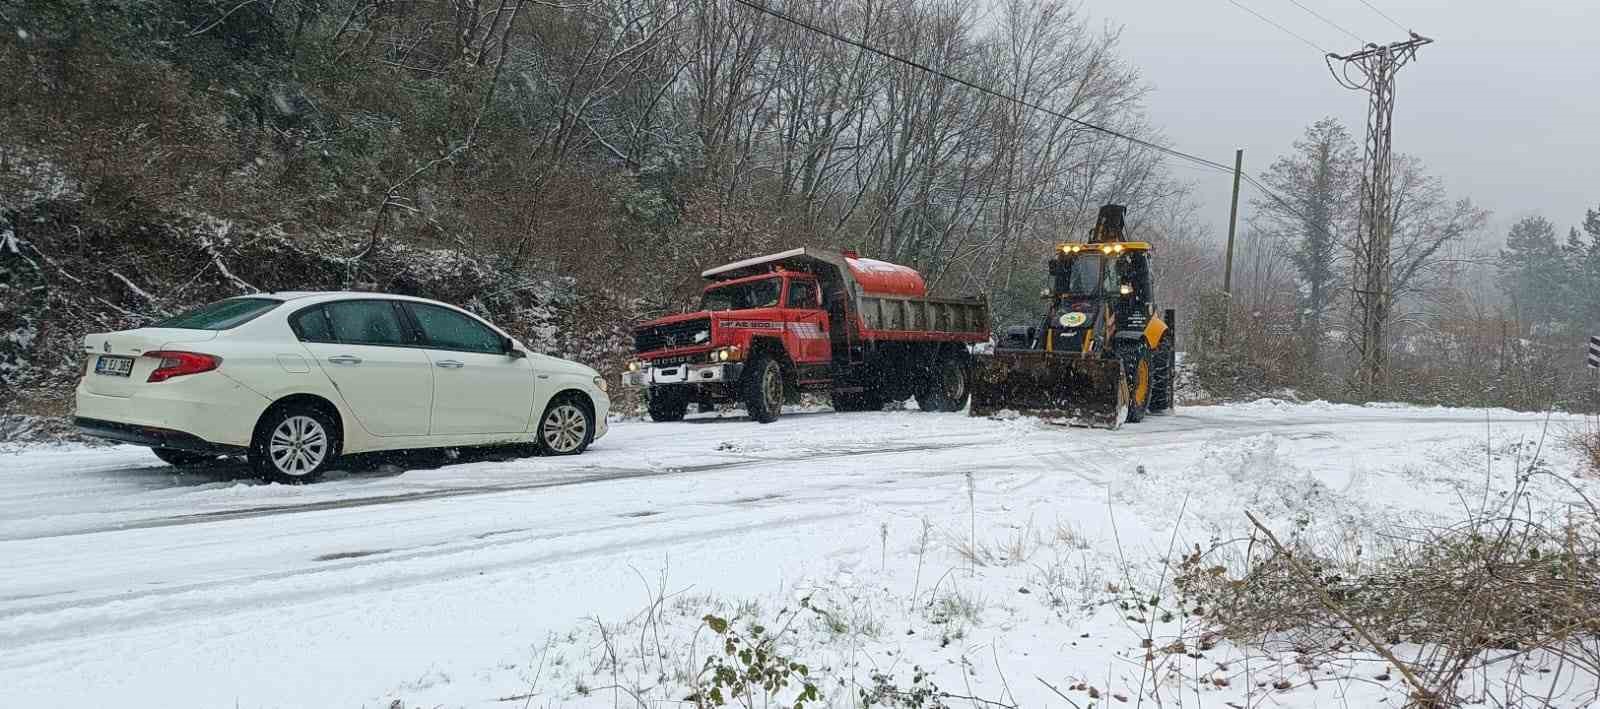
x,y
682,334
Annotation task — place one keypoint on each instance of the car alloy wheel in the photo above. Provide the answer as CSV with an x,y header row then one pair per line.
x,y
298,445
565,428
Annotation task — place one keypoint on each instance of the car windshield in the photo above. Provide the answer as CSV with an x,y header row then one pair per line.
x,y
221,315
753,294
1080,276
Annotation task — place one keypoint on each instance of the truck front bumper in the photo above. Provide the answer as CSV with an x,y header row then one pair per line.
x,y
724,373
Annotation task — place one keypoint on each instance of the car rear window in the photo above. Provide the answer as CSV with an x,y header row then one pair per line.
x,y
221,315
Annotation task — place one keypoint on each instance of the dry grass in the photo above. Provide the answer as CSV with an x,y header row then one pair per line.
x,y
1504,586
1584,439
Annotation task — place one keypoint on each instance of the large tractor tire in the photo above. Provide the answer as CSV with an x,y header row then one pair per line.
x,y
947,387
764,388
1139,368
1164,377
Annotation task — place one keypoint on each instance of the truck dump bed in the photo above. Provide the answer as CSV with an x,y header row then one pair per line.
x,y
886,301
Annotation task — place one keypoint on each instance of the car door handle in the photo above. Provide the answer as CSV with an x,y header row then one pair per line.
x,y
450,364
344,359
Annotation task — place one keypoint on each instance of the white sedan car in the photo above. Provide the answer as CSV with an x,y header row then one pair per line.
x,y
292,381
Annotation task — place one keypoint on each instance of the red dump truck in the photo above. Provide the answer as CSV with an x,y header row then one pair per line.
x,y
808,319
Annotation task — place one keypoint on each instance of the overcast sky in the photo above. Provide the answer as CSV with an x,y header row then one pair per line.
x,y
1505,105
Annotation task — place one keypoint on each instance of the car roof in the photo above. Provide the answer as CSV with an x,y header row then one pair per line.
x,y
327,295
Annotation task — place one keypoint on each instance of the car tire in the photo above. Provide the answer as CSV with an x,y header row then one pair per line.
x,y
295,444
181,459
566,427
764,388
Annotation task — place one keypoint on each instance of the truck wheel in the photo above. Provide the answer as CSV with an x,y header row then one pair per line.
x,y
763,389
668,404
946,388
846,401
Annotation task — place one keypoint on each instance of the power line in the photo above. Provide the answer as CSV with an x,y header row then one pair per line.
x,y
1195,159
1327,21
1385,16
983,89
1263,18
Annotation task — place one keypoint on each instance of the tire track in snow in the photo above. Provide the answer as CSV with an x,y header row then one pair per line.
x,y
448,492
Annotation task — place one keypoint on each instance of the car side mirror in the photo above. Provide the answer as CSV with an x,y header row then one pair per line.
x,y
511,349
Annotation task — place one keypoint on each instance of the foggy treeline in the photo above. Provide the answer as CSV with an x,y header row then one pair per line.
x,y
1478,318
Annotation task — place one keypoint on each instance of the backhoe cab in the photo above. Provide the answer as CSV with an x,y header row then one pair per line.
x,y
1102,355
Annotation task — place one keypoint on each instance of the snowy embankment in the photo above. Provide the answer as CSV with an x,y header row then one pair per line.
x,y
1008,560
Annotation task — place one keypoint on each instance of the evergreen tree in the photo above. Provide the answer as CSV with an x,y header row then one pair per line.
x,y
1534,271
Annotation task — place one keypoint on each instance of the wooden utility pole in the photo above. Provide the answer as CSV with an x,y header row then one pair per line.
x,y
1233,223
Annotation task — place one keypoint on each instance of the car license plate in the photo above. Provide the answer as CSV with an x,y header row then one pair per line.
x,y
112,365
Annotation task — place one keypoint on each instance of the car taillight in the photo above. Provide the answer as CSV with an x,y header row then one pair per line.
x,y
177,364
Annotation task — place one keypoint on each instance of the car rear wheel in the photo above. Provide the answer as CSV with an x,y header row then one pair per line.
x,y
566,428
295,444
181,459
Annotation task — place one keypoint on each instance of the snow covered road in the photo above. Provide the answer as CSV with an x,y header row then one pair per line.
x,y
129,583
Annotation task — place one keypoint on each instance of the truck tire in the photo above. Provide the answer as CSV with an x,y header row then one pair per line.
x,y
846,401
946,388
763,389
668,404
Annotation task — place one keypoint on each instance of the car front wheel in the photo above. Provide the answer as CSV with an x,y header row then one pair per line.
x,y
294,445
566,428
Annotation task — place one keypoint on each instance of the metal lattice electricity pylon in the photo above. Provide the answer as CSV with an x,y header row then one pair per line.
x,y
1377,66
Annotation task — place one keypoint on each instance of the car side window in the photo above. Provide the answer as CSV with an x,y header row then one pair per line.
x,y
447,329
802,294
311,325
366,322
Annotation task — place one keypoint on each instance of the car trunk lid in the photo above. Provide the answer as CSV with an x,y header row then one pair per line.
x,y
132,344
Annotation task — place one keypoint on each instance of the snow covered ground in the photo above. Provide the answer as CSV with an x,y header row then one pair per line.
x,y
582,581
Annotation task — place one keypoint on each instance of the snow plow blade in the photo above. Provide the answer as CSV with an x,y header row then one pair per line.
x,y
1086,391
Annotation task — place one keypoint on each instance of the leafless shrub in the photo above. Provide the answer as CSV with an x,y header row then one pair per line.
x,y
1584,438
1445,606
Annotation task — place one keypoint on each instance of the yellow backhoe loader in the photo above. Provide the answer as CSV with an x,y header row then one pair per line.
x,y
1103,355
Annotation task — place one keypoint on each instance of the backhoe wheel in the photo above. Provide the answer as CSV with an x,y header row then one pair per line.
x,y
1139,384
1163,377
946,388
763,388
668,403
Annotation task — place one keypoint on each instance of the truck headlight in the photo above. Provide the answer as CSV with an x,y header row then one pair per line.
x,y
1127,289
633,366
727,354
